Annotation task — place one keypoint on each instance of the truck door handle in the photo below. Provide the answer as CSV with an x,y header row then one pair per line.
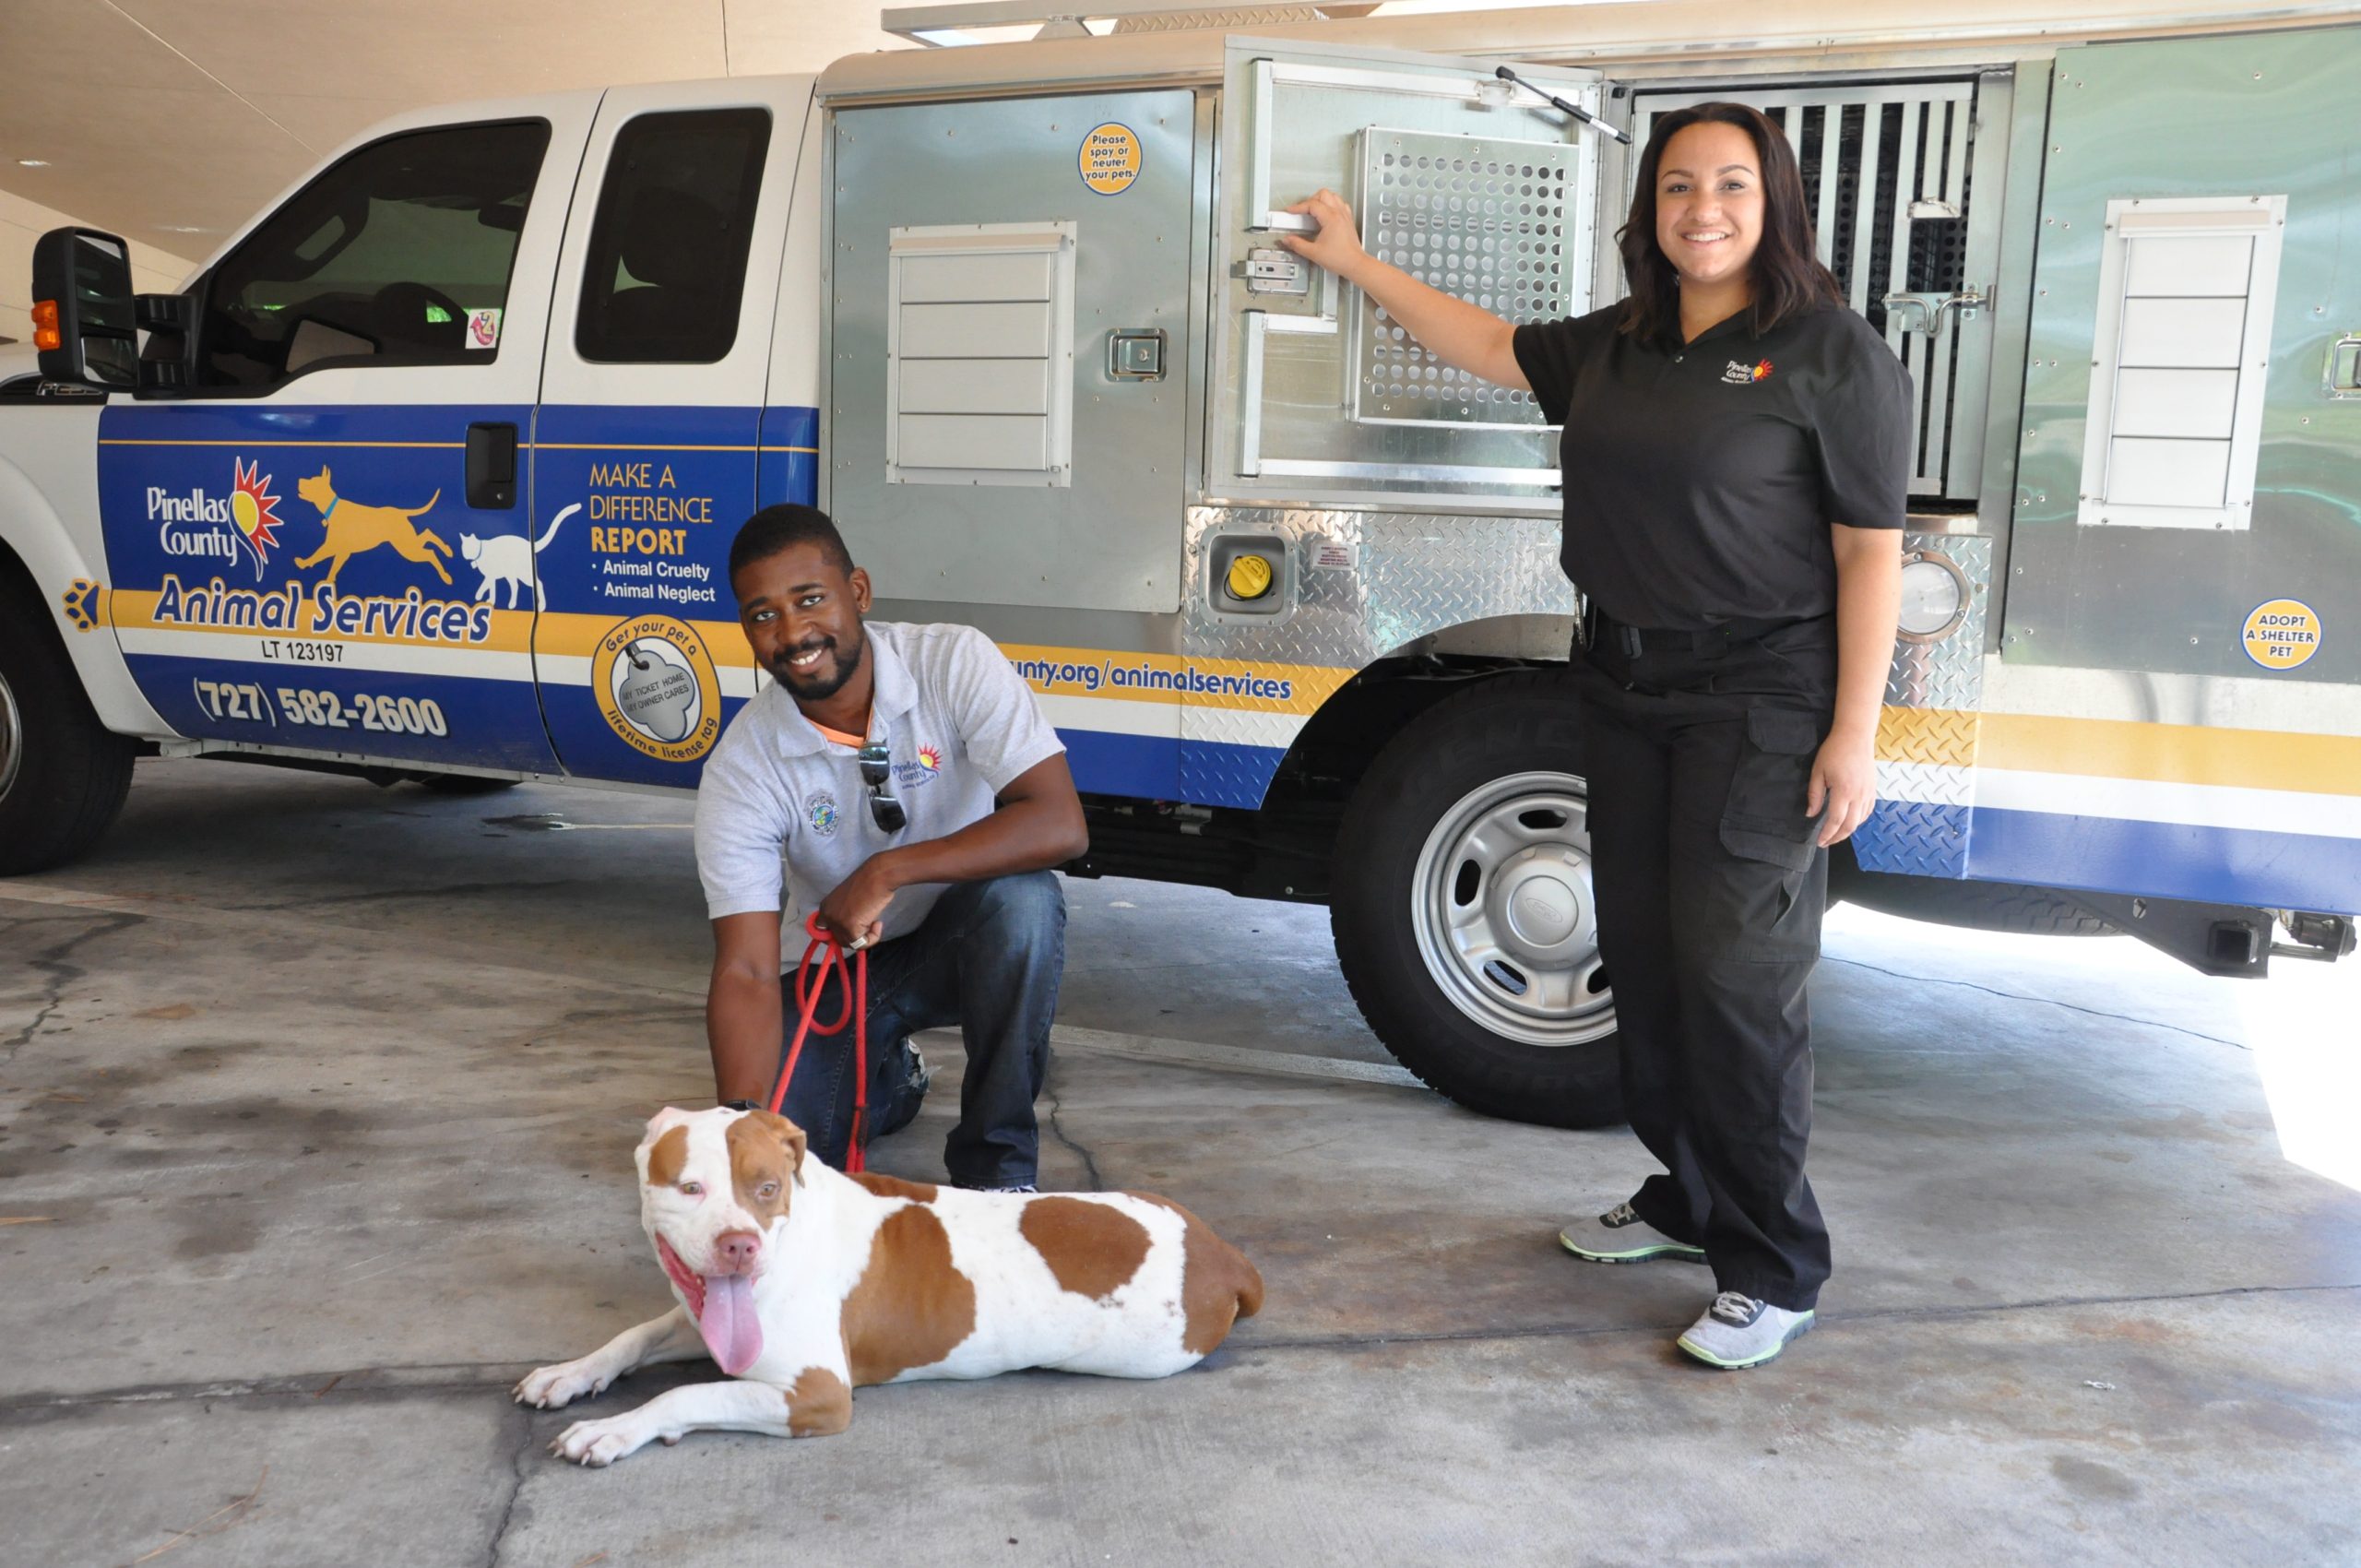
x,y
491,466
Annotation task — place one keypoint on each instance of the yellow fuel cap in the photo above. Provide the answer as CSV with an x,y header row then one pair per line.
x,y
1250,576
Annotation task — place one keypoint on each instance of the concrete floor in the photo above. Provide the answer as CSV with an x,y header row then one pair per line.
x,y
316,1105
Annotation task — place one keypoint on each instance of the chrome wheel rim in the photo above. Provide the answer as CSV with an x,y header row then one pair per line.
x,y
1504,914
12,739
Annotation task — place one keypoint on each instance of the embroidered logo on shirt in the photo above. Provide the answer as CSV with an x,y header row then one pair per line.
x,y
821,810
927,767
1746,374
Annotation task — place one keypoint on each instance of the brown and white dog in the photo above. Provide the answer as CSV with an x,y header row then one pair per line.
x,y
804,1284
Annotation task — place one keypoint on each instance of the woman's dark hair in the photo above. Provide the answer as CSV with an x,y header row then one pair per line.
x,y
1787,276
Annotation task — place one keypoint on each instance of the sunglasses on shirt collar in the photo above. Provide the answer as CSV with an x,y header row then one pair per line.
x,y
877,772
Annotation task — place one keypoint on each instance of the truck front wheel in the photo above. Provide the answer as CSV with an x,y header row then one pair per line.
x,y
63,776
1463,913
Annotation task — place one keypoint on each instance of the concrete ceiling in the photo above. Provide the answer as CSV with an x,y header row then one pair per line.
x,y
169,122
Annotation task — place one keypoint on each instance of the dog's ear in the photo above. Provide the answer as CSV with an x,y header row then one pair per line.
x,y
662,1122
790,1137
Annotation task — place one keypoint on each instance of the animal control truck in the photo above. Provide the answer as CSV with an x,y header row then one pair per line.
x,y
432,470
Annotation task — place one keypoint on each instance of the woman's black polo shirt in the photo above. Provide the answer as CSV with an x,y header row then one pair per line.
x,y
1701,477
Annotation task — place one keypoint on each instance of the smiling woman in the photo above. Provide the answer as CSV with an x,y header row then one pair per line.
x,y
1735,454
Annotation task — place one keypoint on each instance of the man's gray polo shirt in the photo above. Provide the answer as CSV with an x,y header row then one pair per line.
x,y
776,795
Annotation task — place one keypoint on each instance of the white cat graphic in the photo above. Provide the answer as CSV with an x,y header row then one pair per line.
x,y
509,559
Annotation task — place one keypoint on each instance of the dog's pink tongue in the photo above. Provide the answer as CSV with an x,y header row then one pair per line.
x,y
731,1331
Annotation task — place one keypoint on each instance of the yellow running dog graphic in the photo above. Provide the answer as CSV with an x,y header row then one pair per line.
x,y
357,529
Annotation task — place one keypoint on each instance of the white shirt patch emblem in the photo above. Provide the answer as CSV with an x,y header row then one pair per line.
x,y
821,811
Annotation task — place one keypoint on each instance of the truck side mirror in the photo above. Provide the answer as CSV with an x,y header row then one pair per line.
x,y
83,322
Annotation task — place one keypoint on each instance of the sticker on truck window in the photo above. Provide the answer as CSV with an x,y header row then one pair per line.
x,y
484,329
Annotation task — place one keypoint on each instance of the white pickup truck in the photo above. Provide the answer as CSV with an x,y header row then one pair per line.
x,y
432,470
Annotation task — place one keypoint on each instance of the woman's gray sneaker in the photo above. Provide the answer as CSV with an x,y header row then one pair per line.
x,y
1621,1236
1738,1331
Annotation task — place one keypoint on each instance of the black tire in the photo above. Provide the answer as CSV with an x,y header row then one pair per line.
x,y
467,784
1485,742
1972,906
62,774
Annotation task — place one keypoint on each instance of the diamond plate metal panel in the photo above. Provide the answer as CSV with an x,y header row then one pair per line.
x,y
1925,785
1398,576
1919,838
1389,578
1929,734
1935,737
1949,673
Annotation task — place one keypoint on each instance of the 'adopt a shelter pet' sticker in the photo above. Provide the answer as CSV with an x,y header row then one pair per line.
x,y
2281,634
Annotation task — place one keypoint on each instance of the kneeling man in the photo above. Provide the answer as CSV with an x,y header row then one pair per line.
x,y
869,771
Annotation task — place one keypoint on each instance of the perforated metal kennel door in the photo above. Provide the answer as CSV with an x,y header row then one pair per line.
x,y
1480,218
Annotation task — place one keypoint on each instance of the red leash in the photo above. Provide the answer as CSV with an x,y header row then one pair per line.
x,y
854,972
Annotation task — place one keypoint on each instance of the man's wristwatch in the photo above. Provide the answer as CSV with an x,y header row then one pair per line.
x,y
740,1105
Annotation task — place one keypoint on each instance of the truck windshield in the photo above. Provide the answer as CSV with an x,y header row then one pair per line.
x,y
381,259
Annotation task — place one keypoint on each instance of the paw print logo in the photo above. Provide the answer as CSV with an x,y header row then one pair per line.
x,y
82,604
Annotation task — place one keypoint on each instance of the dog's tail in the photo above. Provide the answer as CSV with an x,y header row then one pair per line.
x,y
422,511
1249,1282
1220,1284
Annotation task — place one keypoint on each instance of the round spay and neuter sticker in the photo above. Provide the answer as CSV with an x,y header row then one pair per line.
x,y
1111,158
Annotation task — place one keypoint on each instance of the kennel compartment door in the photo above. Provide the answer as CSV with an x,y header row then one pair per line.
x,y
1473,184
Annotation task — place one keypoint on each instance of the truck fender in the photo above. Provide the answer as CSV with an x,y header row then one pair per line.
x,y
32,530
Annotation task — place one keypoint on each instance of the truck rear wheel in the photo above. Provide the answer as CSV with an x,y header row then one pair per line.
x,y
1462,908
63,776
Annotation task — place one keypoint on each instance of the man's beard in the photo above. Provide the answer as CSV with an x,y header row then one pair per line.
x,y
820,688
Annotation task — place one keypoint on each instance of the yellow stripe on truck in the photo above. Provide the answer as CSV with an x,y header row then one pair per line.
x,y
2172,753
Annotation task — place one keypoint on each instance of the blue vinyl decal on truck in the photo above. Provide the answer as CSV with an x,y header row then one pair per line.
x,y
638,651
315,578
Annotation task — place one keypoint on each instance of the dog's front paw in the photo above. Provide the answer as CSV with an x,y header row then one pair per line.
x,y
553,1388
603,1441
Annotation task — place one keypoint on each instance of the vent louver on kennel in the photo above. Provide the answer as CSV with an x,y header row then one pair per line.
x,y
1478,217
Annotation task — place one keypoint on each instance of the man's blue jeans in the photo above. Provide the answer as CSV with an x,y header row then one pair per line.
x,y
988,958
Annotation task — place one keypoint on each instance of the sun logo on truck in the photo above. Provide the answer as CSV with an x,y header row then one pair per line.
x,y
254,508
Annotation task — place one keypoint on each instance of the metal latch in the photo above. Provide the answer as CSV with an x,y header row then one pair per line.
x,y
1135,354
2343,378
1276,272
1930,307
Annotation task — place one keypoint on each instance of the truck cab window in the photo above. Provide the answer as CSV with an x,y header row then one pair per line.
x,y
667,261
383,259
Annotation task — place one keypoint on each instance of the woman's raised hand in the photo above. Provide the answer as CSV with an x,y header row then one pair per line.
x,y
1337,245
